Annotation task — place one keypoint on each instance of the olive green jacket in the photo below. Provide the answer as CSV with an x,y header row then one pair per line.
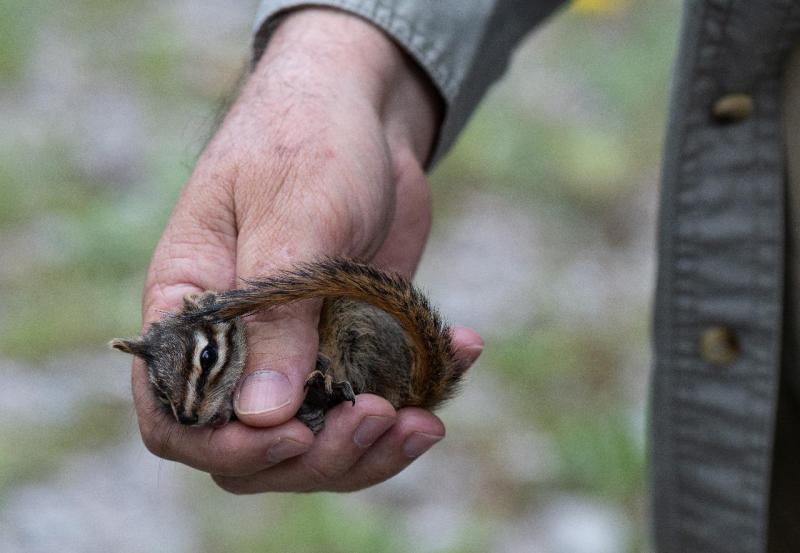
x,y
720,292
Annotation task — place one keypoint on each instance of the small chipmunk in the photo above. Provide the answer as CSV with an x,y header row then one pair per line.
x,y
377,334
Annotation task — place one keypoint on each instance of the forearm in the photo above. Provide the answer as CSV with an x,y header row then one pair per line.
x,y
321,58
328,91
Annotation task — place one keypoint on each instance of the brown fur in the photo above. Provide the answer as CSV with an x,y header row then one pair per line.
x,y
434,370
377,331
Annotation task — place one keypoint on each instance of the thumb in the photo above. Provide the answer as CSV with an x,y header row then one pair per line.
x,y
282,352
282,342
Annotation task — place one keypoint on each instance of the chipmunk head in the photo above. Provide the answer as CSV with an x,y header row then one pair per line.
x,y
193,363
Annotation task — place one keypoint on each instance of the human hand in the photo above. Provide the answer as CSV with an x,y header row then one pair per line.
x,y
321,155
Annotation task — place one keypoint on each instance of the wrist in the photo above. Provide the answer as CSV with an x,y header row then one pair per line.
x,y
331,55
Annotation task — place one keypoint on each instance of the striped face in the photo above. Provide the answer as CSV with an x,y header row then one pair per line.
x,y
197,369
193,367
207,386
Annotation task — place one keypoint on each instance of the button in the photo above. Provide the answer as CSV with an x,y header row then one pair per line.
x,y
719,345
732,108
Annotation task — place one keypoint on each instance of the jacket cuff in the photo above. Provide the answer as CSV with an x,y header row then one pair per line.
x,y
461,46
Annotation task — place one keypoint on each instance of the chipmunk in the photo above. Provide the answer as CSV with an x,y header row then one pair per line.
x,y
377,334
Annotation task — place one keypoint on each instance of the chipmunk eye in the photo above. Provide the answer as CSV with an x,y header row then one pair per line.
x,y
208,357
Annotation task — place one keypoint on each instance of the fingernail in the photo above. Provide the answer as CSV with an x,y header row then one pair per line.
x,y
284,449
263,391
418,443
370,429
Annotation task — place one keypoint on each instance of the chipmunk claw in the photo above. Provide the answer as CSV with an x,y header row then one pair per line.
x,y
322,393
323,389
346,391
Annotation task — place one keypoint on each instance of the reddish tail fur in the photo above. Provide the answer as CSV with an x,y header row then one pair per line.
x,y
435,372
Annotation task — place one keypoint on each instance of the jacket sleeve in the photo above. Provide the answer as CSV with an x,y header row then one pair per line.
x,y
462,45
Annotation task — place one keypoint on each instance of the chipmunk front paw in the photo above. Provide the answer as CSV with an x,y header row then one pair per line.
x,y
322,393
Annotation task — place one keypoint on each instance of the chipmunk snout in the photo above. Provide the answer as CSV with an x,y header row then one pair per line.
x,y
187,418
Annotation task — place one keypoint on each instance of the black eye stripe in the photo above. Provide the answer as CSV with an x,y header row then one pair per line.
x,y
191,348
189,366
206,367
188,360
228,354
200,384
208,357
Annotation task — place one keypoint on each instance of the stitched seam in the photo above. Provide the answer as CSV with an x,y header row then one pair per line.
x,y
682,278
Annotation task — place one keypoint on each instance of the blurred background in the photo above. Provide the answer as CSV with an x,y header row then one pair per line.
x,y
543,242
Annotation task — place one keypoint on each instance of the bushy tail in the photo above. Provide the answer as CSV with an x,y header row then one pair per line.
x,y
435,372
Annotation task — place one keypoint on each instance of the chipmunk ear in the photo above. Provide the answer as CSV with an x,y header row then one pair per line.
x,y
191,301
198,300
136,346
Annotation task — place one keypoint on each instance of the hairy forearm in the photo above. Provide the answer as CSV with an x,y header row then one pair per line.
x,y
319,56
335,100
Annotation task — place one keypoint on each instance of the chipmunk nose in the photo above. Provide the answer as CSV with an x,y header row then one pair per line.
x,y
187,418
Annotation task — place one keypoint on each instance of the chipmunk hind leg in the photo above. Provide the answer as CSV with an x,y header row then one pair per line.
x,y
367,348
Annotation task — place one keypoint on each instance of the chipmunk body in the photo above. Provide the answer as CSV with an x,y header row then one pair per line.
x,y
377,334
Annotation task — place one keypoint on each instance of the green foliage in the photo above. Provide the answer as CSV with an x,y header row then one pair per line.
x,y
309,524
600,452
568,385
87,284
17,36
86,248
321,522
568,372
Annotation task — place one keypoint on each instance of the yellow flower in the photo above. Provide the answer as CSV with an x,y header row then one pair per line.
x,y
598,6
